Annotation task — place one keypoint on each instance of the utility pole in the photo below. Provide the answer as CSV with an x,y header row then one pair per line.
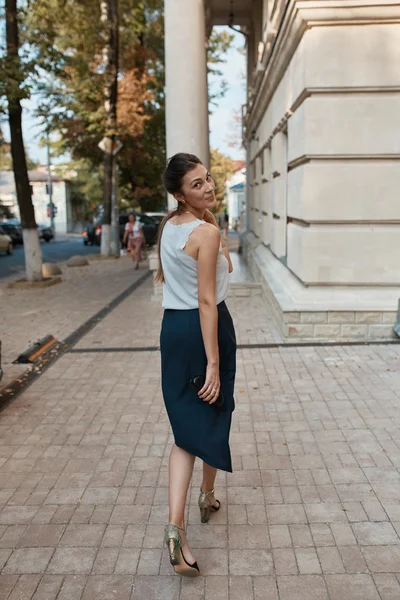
x,y
110,17
114,238
49,180
113,149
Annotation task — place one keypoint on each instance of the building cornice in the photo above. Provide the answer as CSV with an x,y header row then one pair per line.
x,y
298,16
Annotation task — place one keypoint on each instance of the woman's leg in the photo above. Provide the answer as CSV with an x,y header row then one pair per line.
x,y
209,475
137,252
180,473
131,249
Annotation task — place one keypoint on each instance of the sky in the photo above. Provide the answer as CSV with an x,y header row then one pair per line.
x,y
220,119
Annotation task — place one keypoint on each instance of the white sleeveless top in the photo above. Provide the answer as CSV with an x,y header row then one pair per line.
x,y
180,270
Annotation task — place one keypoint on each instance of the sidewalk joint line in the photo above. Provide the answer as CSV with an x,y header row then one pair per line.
x,y
271,345
18,385
81,331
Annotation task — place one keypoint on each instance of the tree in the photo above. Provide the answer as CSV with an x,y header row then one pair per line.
x,y
222,167
67,40
13,80
75,33
235,137
218,45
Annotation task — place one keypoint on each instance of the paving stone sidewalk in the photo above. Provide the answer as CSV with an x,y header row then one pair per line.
x,y
311,512
28,315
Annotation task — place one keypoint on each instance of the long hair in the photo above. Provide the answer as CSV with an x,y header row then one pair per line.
x,y
177,167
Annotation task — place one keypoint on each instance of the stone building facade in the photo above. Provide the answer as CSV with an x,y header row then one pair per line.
x,y
323,152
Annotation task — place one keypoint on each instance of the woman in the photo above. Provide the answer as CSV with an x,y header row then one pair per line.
x,y
197,339
134,234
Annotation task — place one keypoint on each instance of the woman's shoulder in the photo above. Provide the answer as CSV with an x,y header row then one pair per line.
x,y
206,235
206,230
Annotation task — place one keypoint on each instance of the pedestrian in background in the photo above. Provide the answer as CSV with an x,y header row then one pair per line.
x,y
226,224
134,234
198,347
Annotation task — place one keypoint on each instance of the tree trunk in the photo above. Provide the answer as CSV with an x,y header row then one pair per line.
x,y
111,80
32,249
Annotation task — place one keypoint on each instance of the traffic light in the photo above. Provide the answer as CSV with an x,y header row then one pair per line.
x,y
49,210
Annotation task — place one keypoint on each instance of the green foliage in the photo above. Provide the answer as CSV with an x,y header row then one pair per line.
x,y
218,45
5,154
5,212
63,43
74,94
86,187
15,69
5,157
222,167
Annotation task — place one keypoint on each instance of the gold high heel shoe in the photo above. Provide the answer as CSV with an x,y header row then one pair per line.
x,y
176,557
206,507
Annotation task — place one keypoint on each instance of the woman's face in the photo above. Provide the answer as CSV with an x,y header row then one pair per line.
x,y
132,218
198,189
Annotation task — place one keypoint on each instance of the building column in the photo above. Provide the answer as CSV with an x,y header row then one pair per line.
x,y
186,80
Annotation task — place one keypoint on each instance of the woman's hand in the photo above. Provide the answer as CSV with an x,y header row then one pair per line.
x,y
210,390
210,218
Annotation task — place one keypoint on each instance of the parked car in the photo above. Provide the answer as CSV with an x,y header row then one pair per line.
x,y
157,216
13,230
92,232
149,225
45,233
6,244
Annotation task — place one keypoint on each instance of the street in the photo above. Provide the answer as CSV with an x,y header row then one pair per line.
x,y
53,251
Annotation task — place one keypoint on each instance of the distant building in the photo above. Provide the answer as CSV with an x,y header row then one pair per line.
x,y
63,222
235,193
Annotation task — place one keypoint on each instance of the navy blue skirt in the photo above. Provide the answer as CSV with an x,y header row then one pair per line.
x,y
198,427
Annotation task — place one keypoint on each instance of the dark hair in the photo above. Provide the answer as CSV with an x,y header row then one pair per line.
x,y
177,167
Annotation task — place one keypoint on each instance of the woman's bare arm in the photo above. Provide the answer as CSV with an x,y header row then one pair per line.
x,y
210,218
208,238
227,255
